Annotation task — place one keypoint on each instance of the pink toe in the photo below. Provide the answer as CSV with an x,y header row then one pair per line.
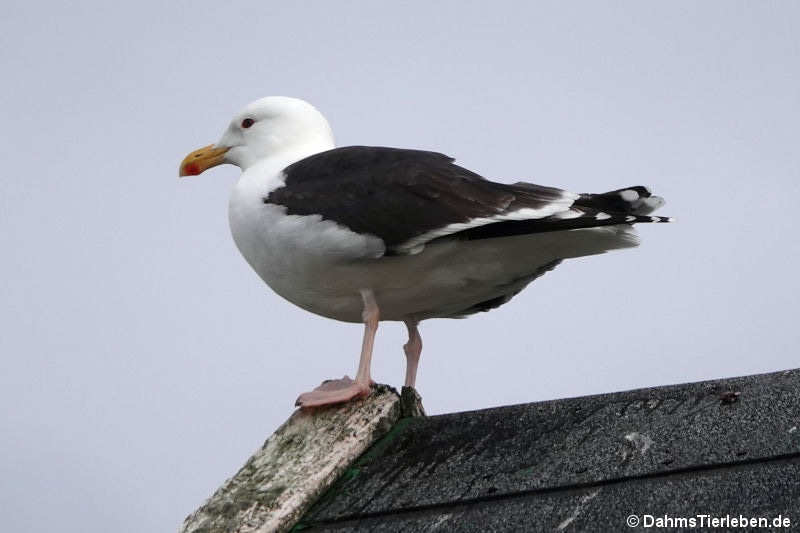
x,y
333,392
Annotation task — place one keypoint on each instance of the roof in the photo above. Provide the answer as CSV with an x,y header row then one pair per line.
x,y
723,447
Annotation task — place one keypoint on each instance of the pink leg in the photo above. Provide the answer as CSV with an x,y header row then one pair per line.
x,y
345,389
413,349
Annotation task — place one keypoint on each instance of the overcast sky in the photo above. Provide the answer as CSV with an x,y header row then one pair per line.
x,y
142,359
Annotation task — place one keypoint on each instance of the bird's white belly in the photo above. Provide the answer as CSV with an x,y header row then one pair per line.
x,y
325,281
322,267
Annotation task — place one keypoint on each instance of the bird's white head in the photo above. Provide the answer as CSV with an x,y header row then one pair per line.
x,y
275,126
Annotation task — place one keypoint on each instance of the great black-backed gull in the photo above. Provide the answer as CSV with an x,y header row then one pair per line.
x,y
364,233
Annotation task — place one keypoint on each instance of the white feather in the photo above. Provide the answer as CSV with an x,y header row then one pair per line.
x,y
414,245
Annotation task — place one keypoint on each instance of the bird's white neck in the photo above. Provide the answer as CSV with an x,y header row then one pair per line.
x,y
266,174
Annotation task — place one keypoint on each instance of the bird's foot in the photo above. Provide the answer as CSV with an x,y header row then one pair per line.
x,y
334,391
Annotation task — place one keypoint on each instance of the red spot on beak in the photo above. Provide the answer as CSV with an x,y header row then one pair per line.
x,y
191,169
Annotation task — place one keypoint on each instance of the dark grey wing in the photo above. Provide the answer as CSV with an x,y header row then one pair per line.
x,y
407,197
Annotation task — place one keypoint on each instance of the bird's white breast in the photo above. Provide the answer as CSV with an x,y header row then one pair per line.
x,y
294,254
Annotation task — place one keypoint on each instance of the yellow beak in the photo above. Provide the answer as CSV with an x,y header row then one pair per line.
x,y
201,160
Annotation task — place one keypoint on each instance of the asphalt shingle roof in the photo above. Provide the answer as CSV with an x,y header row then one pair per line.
x,y
723,447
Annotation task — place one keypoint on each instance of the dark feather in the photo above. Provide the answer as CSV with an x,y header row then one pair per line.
x,y
397,194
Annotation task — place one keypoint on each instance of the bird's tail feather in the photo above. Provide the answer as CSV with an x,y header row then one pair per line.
x,y
636,200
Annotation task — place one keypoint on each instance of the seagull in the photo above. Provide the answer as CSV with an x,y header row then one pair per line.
x,y
368,233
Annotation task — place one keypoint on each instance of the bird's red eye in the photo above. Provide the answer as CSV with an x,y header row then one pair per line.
x,y
246,123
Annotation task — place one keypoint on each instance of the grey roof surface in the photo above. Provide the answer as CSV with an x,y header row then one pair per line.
x,y
729,446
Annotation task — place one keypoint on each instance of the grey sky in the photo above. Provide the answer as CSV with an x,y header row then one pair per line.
x,y
142,360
